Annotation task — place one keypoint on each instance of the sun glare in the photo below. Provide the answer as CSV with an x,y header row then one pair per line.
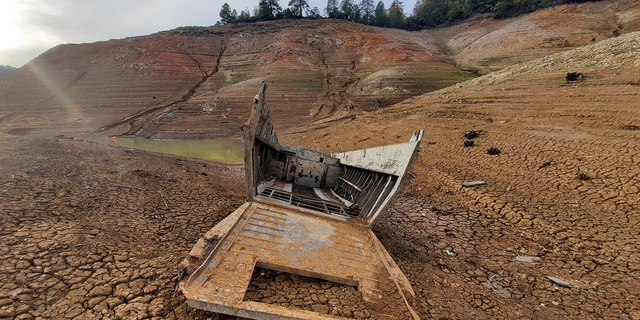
x,y
10,13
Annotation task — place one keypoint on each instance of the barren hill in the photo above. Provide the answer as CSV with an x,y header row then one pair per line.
x,y
5,70
197,82
565,179
486,44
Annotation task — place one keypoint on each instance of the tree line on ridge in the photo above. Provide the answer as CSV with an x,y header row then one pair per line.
x,y
426,13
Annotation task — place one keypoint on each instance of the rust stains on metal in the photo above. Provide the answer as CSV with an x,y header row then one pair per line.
x,y
308,213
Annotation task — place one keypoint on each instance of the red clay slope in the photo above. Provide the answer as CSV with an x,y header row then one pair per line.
x,y
199,82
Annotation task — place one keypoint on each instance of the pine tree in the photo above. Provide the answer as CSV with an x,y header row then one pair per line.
x,y
367,8
268,9
276,9
380,15
315,13
396,17
349,10
245,16
226,15
396,3
332,10
299,7
396,14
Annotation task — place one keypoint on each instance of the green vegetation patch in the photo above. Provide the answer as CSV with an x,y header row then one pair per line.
x,y
439,80
234,79
227,150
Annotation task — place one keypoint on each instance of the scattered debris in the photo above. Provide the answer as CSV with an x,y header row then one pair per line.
x,y
472,134
584,177
545,164
630,127
493,151
473,184
562,283
529,259
497,288
469,143
574,76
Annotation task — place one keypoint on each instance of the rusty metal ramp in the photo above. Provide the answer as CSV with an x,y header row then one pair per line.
x,y
308,213
282,239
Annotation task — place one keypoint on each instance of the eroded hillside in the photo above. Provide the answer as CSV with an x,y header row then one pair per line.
x,y
197,82
486,44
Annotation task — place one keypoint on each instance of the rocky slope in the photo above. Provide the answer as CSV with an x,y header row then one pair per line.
x,y
196,83
199,82
485,44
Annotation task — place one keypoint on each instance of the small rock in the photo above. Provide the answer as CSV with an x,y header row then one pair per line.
x,y
561,282
471,134
530,259
74,311
7,313
16,292
473,184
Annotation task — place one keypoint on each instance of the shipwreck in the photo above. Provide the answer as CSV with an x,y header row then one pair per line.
x,y
308,213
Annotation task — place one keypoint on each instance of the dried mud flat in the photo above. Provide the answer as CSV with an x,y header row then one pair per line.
x,y
299,292
90,231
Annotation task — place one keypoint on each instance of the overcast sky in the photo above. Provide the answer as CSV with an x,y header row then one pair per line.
x,y
30,27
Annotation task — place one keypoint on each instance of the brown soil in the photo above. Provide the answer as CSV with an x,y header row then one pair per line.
x,y
486,44
90,231
195,82
299,292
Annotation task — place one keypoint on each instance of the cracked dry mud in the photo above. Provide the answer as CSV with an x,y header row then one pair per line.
x,y
92,231
299,292
89,231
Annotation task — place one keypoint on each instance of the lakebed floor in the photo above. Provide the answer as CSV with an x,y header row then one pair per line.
x,y
92,231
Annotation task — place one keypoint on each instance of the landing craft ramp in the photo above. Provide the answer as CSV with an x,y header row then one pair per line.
x,y
308,213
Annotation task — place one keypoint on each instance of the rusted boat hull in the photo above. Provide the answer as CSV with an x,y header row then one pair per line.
x,y
308,213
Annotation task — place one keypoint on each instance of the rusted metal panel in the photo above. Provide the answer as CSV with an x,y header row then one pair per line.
x,y
393,159
299,243
309,213
309,173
